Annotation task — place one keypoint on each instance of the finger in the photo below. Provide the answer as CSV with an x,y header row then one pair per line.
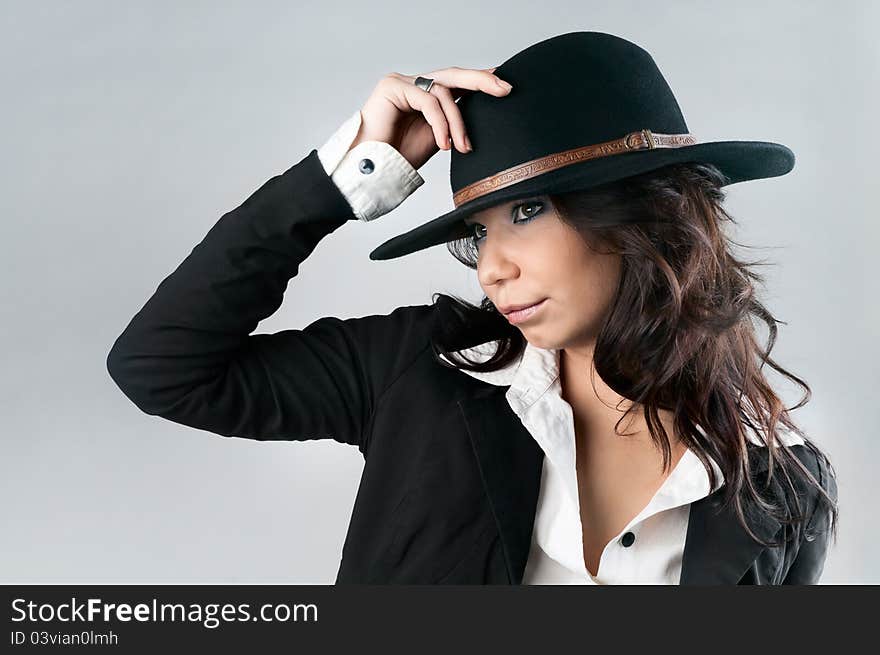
x,y
429,105
453,116
462,81
473,79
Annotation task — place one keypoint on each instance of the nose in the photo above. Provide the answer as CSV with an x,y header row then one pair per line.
x,y
496,261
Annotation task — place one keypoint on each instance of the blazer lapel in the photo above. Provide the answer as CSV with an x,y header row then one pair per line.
x,y
718,550
510,463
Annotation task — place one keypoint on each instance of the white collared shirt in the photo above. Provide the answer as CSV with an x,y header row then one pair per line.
x,y
658,531
654,556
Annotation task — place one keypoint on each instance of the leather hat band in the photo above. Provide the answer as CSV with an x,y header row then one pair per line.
x,y
641,140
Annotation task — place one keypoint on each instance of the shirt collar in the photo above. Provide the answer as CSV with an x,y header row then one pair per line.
x,y
532,375
529,376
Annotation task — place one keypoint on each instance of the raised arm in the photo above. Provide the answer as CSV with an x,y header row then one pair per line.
x,y
189,356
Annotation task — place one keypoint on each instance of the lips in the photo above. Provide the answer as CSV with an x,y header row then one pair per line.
x,y
506,309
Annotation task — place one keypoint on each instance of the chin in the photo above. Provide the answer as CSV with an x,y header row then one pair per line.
x,y
540,341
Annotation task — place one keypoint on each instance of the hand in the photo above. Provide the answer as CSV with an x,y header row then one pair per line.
x,y
417,123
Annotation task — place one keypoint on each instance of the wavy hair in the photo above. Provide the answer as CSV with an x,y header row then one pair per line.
x,y
681,331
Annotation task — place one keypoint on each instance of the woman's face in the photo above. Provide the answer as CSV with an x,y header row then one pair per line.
x,y
527,254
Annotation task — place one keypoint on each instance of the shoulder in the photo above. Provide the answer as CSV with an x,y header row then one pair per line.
x,y
808,487
816,463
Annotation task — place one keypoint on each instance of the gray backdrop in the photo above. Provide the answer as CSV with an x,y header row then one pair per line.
x,y
130,128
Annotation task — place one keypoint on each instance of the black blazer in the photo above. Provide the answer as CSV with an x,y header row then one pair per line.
x,y
451,477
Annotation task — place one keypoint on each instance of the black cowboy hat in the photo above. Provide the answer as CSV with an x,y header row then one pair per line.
x,y
586,108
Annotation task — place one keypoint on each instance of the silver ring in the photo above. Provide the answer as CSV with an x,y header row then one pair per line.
x,y
424,83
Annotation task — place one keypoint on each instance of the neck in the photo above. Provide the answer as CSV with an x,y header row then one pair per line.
x,y
597,407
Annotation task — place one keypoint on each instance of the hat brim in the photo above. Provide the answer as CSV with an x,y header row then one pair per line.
x,y
738,161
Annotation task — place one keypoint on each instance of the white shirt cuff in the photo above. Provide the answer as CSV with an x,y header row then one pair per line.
x,y
371,194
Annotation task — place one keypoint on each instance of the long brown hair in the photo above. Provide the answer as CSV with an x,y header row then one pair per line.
x,y
680,335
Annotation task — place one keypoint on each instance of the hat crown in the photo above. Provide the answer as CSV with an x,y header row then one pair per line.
x,y
569,91
587,108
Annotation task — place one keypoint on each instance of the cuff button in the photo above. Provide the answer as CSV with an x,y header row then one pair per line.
x,y
366,166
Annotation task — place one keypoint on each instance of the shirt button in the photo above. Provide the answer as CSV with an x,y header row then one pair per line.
x,y
627,539
366,166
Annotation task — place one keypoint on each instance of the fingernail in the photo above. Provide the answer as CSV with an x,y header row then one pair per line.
x,y
467,143
504,85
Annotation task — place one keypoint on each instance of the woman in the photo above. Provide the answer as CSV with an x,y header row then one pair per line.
x,y
491,433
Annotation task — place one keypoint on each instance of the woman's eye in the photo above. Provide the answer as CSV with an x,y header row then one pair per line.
x,y
534,208
530,210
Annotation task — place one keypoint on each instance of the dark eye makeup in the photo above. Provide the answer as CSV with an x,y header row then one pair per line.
x,y
532,208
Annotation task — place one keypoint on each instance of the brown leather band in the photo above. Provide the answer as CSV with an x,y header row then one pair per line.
x,y
641,140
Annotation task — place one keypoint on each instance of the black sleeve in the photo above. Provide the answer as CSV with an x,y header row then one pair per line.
x,y
809,562
187,355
